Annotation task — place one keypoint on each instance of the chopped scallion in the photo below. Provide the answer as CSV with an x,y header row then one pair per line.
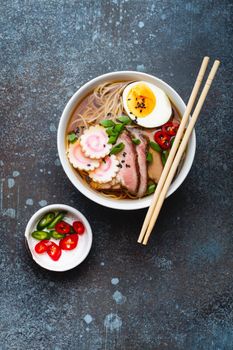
x,y
155,146
72,137
118,148
106,123
149,157
136,141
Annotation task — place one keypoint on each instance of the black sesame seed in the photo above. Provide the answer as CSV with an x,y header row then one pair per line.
x,y
123,161
127,165
88,164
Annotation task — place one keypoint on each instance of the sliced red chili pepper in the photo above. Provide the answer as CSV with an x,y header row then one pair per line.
x,y
42,246
79,227
54,251
170,128
62,227
69,242
162,139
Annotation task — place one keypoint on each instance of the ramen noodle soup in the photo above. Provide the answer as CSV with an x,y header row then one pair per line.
x,y
119,138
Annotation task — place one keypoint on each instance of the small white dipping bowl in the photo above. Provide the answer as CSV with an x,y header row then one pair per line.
x,y
125,204
69,259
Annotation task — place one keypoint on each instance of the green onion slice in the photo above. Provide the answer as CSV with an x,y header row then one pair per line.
x,y
72,137
118,148
107,123
149,157
124,119
136,141
155,146
151,188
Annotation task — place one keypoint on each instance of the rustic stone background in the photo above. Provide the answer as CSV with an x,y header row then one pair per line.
x,y
176,293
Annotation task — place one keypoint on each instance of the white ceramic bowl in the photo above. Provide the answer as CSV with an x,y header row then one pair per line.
x,y
68,259
125,204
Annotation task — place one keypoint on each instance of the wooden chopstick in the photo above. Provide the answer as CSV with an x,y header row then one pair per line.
x,y
181,150
174,146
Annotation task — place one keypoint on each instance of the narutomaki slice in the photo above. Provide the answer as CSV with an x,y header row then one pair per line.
x,y
94,142
78,159
106,171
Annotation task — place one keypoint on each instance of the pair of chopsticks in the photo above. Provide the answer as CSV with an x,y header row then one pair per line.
x,y
178,148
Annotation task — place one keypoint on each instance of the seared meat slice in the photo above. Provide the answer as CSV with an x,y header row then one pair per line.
x,y
141,150
128,174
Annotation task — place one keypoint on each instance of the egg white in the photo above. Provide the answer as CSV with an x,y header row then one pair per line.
x,y
160,114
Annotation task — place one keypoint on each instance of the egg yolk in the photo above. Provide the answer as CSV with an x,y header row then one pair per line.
x,y
141,101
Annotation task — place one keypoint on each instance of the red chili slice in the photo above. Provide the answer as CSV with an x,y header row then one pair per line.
x,y
62,227
79,227
54,251
42,246
170,128
69,242
162,139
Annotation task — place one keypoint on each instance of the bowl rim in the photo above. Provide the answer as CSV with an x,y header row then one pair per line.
x,y
34,218
124,204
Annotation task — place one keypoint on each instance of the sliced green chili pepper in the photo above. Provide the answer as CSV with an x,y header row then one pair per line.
x,y
155,146
57,235
45,221
118,148
40,235
57,218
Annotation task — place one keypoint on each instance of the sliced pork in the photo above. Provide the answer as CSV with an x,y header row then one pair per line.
x,y
128,175
141,150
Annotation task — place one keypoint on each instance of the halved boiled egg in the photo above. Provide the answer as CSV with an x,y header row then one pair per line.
x,y
146,104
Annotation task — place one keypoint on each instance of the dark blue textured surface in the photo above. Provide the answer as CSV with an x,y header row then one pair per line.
x,y
176,293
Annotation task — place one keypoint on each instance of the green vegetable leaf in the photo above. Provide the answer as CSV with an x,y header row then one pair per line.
x,y
149,157
151,188
72,137
118,148
136,141
112,139
172,141
124,119
155,146
119,127
107,123
165,155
